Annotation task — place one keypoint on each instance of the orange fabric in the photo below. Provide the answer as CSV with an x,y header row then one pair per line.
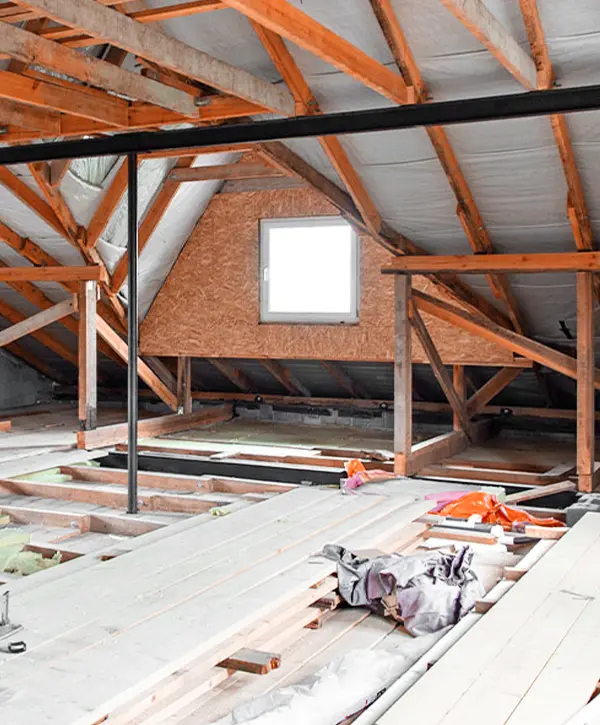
x,y
491,511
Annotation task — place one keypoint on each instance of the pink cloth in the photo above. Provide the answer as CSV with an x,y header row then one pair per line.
x,y
443,498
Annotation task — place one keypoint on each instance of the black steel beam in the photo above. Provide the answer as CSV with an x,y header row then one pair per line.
x,y
132,333
446,113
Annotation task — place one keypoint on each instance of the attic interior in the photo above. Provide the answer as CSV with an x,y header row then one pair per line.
x,y
297,346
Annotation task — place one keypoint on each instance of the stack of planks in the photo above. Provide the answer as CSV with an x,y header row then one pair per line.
x,y
533,658
139,637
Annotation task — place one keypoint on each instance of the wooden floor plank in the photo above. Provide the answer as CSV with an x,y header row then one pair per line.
x,y
256,593
459,671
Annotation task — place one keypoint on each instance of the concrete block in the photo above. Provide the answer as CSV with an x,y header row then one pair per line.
x,y
586,503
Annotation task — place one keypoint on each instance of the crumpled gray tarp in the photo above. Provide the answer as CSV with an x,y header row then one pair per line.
x,y
427,592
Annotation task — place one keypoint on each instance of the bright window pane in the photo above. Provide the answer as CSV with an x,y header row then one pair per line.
x,y
309,270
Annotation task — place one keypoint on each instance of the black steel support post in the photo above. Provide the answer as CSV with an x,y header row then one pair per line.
x,y
132,333
440,113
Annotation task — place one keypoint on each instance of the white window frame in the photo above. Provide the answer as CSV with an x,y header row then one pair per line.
x,y
317,318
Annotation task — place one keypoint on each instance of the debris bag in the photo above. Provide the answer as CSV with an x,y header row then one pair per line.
x,y
426,592
358,475
342,688
492,511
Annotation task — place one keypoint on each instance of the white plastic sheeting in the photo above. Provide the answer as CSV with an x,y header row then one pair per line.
x,y
339,689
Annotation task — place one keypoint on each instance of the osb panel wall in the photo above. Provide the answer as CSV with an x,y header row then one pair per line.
x,y
209,304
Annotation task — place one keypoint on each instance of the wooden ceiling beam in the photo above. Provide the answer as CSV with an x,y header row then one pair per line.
x,y
507,339
98,106
76,39
467,210
476,17
154,214
224,171
33,49
494,263
299,28
42,121
154,45
92,273
13,13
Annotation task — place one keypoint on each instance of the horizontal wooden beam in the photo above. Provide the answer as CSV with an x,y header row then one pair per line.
x,y
111,434
502,337
42,121
298,27
225,171
32,49
90,273
490,263
76,100
38,321
110,26
443,446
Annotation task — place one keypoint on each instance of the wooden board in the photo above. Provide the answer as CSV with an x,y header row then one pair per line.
x,y
222,319
517,648
110,434
134,620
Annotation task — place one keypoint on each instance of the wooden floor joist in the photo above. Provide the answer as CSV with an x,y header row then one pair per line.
x,y
111,434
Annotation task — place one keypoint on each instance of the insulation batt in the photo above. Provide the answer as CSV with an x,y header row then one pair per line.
x,y
426,592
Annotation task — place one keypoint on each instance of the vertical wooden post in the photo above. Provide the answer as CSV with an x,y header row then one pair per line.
x,y
402,375
458,379
184,385
585,380
88,356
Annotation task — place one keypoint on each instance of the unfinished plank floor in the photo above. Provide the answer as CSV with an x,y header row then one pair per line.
x,y
533,659
194,597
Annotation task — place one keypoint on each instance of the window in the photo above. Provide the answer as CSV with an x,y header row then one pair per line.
x,y
309,270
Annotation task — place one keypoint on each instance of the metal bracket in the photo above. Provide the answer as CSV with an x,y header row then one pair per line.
x,y
6,627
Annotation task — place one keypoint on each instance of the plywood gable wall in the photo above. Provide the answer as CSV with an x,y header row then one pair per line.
x,y
209,304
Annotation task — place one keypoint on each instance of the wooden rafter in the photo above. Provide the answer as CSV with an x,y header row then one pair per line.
x,y
507,339
108,204
283,375
146,374
352,386
33,49
152,44
467,210
484,25
155,213
439,370
232,373
577,209
298,27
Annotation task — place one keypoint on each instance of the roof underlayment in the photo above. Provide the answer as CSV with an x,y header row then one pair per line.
x,y
512,167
